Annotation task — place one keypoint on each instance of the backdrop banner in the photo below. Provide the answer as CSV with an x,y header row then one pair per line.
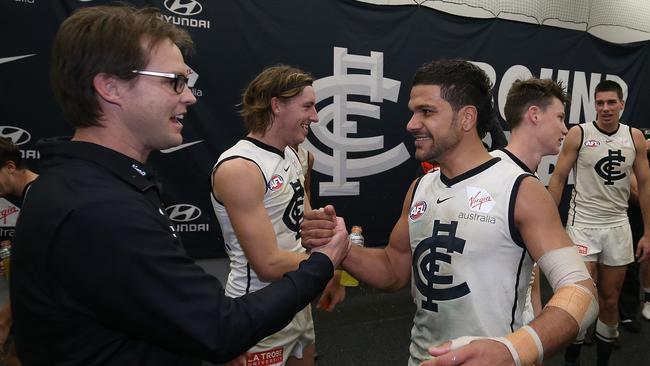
x,y
363,58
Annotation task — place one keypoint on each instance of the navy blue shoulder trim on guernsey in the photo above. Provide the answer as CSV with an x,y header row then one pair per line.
x,y
248,278
517,239
572,201
266,188
415,188
632,138
470,173
264,146
514,305
514,233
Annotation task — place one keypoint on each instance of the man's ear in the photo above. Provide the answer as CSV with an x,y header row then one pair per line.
x,y
10,165
107,87
468,117
275,105
532,113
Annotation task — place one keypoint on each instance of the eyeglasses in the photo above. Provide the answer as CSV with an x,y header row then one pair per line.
x,y
177,81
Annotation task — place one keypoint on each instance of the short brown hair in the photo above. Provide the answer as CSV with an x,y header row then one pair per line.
x,y
281,81
461,83
525,93
10,152
104,39
609,85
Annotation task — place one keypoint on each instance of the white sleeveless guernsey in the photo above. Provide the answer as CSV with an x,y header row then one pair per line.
x,y
602,177
470,267
283,201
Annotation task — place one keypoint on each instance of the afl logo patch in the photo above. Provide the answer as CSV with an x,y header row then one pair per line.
x,y
276,182
592,143
417,210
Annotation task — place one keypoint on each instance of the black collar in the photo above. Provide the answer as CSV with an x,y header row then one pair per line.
x,y
131,171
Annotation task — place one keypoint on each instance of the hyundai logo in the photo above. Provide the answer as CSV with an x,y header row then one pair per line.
x,y
183,212
17,135
187,7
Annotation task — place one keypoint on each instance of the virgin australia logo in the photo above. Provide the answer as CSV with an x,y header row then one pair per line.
x,y
338,87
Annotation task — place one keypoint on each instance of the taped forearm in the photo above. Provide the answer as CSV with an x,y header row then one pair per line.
x,y
564,268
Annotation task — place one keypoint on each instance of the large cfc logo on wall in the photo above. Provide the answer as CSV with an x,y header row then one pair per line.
x,y
184,216
337,87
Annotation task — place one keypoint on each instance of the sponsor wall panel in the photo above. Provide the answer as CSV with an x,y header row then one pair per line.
x,y
363,57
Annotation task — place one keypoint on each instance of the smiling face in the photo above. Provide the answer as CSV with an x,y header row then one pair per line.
x,y
434,125
292,117
608,109
152,110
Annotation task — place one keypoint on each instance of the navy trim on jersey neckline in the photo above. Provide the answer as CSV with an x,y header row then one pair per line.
x,y
470,173
516,160
264,146
605,132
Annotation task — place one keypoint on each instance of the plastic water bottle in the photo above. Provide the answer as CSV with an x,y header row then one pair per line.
x,y
356,238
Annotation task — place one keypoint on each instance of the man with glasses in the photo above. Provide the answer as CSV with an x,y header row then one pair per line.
x,y
99,277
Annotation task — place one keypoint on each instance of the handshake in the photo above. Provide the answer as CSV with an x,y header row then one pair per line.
x,y
322,231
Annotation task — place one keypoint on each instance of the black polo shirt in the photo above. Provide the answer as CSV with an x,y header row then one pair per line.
x,y
99,277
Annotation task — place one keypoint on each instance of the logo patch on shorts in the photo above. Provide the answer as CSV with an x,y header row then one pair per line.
x,y
582,249
266,358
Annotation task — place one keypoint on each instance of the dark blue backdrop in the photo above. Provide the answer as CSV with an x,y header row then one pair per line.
x,y
364,93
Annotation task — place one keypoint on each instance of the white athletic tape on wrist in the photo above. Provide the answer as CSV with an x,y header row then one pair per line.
x,y
524,345
463,341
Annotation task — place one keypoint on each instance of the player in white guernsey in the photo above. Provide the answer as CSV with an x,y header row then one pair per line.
x,y
534,111
467,236
603,155
259,200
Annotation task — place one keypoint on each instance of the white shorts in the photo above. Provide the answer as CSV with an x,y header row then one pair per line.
x,y
290,341
610,246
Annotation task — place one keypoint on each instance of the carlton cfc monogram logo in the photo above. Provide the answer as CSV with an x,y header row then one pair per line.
x,y
426,267
608,167
294,212
342,114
